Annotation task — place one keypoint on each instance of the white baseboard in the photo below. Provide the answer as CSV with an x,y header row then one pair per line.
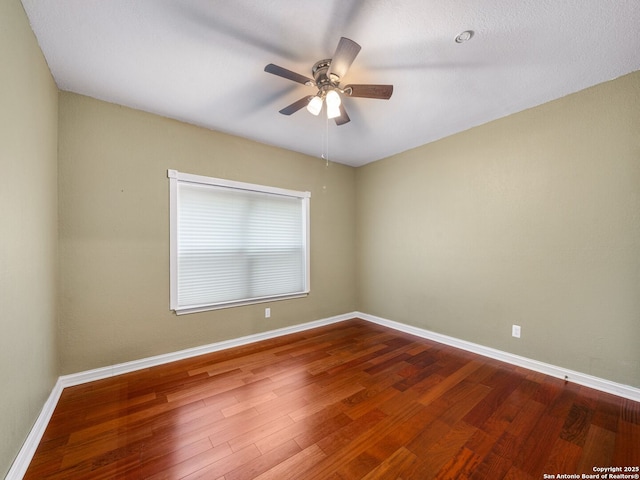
x,y
23,459
596,383
21,463
120,368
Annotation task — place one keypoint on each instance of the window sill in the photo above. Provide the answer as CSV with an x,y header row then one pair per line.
x,y
240,303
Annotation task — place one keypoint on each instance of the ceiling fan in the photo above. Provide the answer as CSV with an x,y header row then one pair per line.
x,y
327,75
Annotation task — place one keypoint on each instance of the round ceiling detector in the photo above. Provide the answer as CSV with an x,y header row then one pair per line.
x,y
464,36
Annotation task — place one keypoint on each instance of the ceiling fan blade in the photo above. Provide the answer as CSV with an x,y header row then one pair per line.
x,y
382,92
343,118
297,105
288,74
346,53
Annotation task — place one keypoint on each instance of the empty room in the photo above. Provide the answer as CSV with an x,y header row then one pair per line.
x,y
320,240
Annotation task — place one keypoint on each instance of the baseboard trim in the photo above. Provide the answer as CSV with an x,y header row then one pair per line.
x,y
119,369
23,459
596,383
28,450
25,455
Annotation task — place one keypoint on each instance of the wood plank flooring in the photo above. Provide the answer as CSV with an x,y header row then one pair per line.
x,y
352,400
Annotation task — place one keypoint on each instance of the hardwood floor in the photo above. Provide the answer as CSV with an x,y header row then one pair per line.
x,y
352,400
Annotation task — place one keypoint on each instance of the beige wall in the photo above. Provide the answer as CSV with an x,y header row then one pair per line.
x,y
28,230
533,220
114,232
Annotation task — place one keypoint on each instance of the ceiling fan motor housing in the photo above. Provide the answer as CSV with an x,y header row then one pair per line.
x,y
323,82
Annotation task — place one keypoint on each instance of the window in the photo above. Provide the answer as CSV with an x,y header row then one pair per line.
x,y
235,243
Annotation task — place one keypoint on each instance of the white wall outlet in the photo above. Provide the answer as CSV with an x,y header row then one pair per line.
x,y
515,331
267,312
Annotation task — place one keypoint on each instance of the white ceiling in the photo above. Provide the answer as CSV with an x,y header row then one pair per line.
x,y
202,61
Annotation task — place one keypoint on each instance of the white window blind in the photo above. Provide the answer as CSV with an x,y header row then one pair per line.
x,y
235,243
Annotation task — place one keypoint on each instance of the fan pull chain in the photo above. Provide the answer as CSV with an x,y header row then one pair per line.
x,y
327,140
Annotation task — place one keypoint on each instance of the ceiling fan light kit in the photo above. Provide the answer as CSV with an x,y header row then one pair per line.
x,y
315,105
333,111
327,75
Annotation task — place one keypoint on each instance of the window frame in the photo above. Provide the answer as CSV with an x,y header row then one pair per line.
x,y
175,177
